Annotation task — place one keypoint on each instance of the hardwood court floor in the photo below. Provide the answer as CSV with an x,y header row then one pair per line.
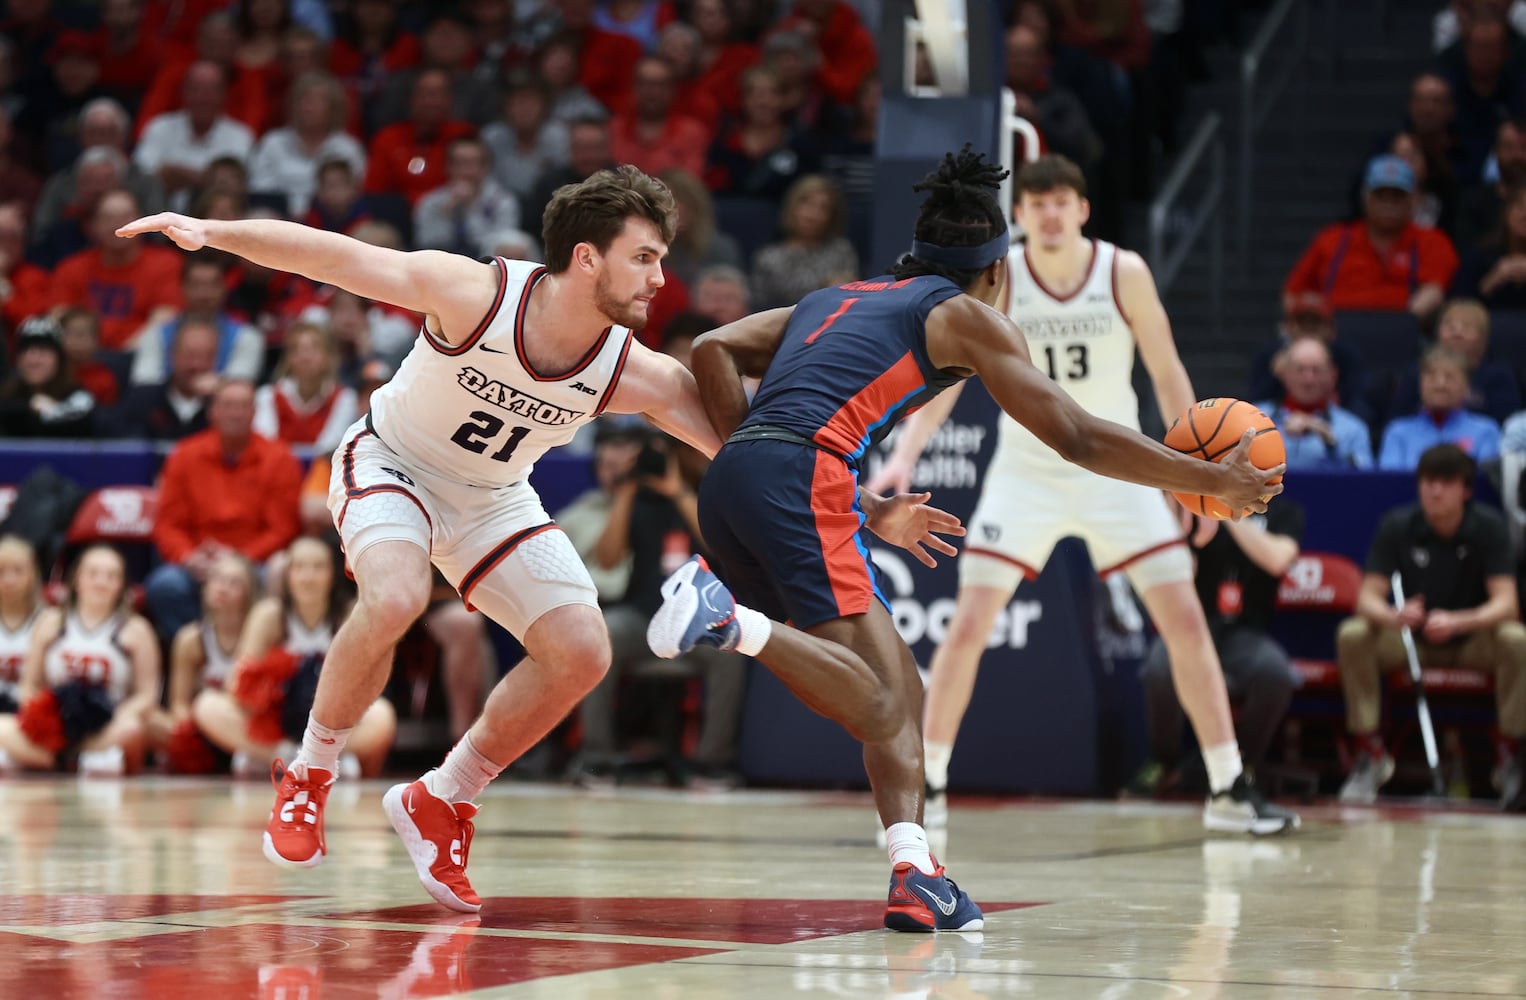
x,y
157,888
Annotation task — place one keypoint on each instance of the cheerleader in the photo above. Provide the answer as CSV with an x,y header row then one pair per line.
x,y
90,676
20,605
274,675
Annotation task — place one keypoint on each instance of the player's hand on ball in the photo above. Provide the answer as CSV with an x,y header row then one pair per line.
x,y
1248,489
906,521
188,233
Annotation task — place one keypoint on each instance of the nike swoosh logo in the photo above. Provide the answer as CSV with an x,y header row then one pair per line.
x,y
706,591
492,350
409,805
947,909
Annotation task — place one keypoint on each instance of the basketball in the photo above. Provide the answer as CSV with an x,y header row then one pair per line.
x,y
1210,429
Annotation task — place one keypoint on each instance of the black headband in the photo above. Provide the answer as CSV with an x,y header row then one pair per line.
x,y
974,258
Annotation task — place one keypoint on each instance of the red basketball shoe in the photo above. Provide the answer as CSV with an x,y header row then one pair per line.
x,y
438,835
294,836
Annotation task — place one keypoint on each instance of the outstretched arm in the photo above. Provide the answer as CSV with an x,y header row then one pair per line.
x,y
724,356
457,290
662,389
964,333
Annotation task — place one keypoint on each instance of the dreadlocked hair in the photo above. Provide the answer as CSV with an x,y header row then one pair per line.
x,y
961,210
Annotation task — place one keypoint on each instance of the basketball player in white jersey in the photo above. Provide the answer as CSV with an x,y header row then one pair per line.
x,y
512,359
1084,306
95,639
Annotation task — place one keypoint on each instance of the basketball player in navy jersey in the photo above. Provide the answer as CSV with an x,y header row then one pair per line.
x,y
781,511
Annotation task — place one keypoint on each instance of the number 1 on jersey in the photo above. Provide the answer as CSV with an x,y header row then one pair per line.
x,y
846,305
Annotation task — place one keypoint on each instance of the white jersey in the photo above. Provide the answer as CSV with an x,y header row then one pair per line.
x,y
14,644
304,641
478,412
1082,341
93,655
216,661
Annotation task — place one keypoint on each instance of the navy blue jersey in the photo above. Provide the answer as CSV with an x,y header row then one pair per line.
x,y
853,362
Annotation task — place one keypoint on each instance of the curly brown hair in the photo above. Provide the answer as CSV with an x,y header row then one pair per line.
x,y
594,211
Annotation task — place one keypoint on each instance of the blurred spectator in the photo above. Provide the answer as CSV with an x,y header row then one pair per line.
x,y
1494,272
1483,205
1237,572
1430,117
18,182
1453,558
370,45
1383,261
409,158
792,56
122,280
130,51
1486,87
614,459
49,119
23,286
680,44
204,295
303,53
556,64
1114,30
1447,25
365,331
1061,119
21,602
698,244
1492,388
723,53
813,253
1436,194
446,48
99,170
846,47
1310,316
306,404
261,25
657,134
265,298
722,293
606,61
313,504
102,122
847,155
287,159
461,215
41,397
588,151
501,46
526,142
31,27
337,204
514,244
176,408
177,146
1442,419
80,334
639,20
224,488
246,90
761,153
1318,431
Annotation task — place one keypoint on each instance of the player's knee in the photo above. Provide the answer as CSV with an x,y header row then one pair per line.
x,y
1352,632
581,659
882,719
393,605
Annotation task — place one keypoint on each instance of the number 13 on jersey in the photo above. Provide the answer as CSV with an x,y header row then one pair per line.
x,y
1068,362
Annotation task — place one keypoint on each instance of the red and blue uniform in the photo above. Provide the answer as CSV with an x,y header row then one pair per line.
x,y
779,506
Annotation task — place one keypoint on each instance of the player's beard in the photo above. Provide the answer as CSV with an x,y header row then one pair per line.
x,y
628,313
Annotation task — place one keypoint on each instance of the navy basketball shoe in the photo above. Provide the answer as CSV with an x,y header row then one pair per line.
x,y
923,902
697,610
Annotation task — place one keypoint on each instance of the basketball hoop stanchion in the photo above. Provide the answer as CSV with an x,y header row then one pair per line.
x,y
1422,708
1012,125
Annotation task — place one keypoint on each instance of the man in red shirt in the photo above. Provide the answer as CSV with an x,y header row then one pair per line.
x,y
653,136
409,158
223,488
606,60
121,280
1383,261
847,47
23,286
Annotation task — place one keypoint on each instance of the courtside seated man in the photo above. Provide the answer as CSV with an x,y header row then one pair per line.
x,y
779,509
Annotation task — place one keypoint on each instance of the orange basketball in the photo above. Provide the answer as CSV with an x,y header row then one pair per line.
x,y
1210,429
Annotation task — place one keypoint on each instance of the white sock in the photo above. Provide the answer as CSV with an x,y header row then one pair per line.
x,y
755,630
1223,763
908,842
935,758
464,774
321,746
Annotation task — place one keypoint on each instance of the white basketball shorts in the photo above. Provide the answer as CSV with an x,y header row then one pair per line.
x,y
497,547
1026,507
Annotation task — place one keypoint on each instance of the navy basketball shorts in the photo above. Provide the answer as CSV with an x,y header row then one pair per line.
x,y
782,525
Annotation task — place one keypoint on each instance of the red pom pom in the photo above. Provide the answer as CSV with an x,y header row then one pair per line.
x,y
187,750
260,687
41,722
